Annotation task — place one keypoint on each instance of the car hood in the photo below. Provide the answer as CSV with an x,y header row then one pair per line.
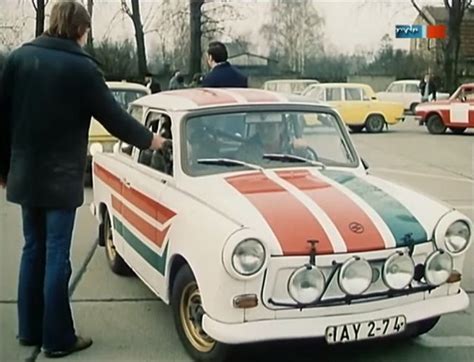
x,y
342,210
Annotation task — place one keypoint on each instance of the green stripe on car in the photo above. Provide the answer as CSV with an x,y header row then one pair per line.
x,y
406,229
156,261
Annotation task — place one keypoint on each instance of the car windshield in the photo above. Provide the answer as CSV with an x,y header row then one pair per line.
x,y
274,139
126,96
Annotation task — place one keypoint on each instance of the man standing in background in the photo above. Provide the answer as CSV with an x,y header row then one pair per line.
x,y
222,74
427,89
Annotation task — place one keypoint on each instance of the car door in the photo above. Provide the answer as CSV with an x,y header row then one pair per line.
x,y
147,217
111,175
461,109
357,106
395,93
333,96
411,95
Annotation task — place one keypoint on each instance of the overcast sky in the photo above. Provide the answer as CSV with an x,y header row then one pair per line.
x,y
350,25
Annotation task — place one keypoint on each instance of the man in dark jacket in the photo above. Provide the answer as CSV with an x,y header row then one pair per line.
x,y
49,91
222,73
427,88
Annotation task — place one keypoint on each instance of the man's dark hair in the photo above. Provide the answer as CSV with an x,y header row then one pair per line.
x,y
217,51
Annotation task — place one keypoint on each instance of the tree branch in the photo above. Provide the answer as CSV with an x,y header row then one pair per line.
x,y
126,9
34,5
421,12
446,4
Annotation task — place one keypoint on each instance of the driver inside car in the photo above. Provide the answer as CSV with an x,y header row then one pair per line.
x,y
271,136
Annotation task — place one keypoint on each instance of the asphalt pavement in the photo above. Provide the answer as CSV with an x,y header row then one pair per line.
x,y
128,323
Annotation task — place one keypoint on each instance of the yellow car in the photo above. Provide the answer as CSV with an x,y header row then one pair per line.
x,y
100,140
357,105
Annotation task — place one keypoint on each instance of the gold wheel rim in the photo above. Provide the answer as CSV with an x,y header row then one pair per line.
x,y
109,241
191,311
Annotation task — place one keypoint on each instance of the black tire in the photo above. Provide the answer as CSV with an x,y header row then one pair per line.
x,y
457,130
413,107
115,261
375,123
421,327
435,124
356,129
185,303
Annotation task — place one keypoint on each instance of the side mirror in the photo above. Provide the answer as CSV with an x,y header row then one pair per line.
x,y
374,98
365,164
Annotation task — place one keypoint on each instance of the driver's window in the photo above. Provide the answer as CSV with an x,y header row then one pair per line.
x,y
137,113
160,160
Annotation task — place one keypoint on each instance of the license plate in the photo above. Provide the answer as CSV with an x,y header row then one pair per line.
x,y
365,330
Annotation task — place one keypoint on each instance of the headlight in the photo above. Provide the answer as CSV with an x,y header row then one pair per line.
x,y
248,257
355,276
438,268
95,148
457,237
398,271
306,284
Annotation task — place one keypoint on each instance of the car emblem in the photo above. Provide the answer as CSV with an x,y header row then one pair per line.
x,y
356,227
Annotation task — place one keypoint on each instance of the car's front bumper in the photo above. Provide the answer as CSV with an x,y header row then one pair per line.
x,y
278,329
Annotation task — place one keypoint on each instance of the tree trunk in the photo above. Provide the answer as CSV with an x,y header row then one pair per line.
x,y
140,39
40,5
196,35
451,54
90,38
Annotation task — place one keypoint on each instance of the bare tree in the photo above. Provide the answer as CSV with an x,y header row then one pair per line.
x,y
456,10
134,14
195,35
294,32
39,6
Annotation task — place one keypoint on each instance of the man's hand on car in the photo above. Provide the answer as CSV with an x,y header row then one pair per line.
x,y
158,142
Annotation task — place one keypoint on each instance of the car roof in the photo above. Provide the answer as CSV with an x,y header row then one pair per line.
x,y
127,85
291,81
202,98
408,81
340,85
467,85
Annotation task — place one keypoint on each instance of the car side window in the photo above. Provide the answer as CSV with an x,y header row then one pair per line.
x,y
159,160
353,94
333,94
411,88
395,88
137,113
316,93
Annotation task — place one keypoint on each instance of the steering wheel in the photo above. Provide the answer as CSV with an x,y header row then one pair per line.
x,y
311,154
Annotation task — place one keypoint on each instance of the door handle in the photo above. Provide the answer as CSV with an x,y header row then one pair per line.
x,y
126,183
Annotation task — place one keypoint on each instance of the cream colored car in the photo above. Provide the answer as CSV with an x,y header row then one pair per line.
x,y
289,86
358,105
100,140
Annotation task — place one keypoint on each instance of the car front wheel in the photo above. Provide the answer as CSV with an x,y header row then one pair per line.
x,y
435,124
188,313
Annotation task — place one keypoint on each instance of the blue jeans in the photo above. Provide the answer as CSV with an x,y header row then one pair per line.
x,y
44,311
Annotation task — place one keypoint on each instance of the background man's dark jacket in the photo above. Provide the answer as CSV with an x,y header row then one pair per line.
x,y
431,88
225,75
49,90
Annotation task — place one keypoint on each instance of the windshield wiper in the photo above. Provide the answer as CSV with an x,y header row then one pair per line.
x,y
292,158
228,162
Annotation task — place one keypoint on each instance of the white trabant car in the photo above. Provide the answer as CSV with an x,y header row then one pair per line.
x,y
254,226
406,92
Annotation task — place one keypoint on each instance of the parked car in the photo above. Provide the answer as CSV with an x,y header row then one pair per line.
x,y
288,86
358,105
455,113
254,232
99,138
406,92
